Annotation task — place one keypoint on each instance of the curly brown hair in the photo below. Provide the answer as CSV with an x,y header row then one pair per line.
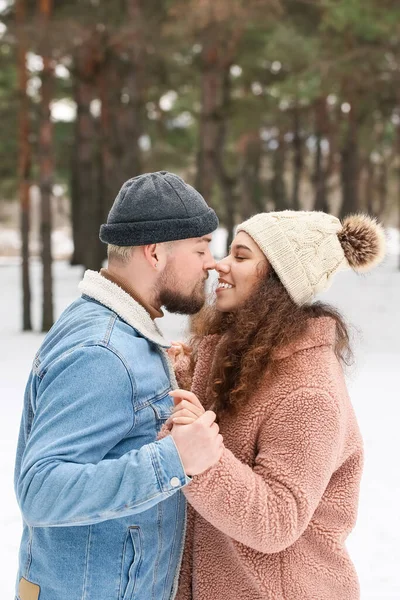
x,y
267,321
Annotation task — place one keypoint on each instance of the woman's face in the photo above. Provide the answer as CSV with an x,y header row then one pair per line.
x,y
239,273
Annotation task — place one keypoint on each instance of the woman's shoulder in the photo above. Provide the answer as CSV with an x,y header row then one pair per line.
x,y
308,363
319,333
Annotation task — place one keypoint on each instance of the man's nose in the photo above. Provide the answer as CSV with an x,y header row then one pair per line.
x,y
210,264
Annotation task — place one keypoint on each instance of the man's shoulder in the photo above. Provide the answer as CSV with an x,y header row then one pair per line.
x,y
95,323
87,323
127,340
84,323
101,325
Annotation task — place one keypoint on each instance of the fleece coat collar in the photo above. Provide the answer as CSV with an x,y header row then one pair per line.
x,y
320,332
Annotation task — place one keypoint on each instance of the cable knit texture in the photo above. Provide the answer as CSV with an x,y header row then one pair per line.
x,y
303,248
270,520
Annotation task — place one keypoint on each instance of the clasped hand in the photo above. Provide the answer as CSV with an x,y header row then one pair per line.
x,y
195,433
187,409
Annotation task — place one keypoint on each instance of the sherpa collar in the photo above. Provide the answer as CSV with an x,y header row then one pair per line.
x,y
111,295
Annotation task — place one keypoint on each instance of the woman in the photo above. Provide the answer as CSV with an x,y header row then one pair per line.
x,y
270,519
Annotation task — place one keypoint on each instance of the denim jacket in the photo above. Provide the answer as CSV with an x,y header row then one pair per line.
x,y
103,512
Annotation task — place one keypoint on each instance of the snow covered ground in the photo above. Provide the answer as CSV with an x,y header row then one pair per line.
x,y
371,303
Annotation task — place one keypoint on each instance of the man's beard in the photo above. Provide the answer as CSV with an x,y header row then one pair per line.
x,y
176,301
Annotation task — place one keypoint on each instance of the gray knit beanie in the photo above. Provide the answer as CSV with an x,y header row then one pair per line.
x,y
154,208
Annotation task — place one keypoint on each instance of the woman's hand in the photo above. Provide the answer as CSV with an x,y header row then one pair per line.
x,y
178,349
188,408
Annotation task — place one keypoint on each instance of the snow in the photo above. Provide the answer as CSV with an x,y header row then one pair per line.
x,y
370,302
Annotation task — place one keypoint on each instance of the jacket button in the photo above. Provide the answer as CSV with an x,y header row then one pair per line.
x,y
175,482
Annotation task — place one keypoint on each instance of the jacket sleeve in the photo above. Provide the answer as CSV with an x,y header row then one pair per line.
x,y
269,506
84,409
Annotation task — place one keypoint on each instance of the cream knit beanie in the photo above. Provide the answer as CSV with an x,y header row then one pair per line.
x,y
307,248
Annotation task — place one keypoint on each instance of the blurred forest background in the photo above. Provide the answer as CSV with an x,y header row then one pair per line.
x,y
260,104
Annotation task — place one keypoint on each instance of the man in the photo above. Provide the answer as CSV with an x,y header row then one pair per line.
x,y
104,517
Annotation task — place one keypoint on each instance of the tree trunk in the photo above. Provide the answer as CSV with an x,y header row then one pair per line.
x,y
77,257
397,171
350,168
132,112
297,159
278,186
397,149
121,123
88,180
24,163
250,185
320,172
87,208
227,182
370,186
46,168
219,48
382,189
211,88
109,156
130,118
230,202
122,87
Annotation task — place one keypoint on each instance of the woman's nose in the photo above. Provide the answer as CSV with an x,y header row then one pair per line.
x,y
222,267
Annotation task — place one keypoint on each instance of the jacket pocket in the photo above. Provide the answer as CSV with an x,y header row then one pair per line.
x,y
131,562
163,409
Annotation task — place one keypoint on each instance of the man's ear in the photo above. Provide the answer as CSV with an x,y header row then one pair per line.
x,y
156,255
151,254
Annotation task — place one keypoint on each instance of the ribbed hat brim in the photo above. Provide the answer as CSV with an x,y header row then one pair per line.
x,y
156,232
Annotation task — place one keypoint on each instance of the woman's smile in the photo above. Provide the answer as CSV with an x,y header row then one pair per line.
x,y
245,265
223,285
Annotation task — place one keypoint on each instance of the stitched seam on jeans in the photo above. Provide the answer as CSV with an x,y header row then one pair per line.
x,y
110,327
29,555
182,548
121,565
84,590
111,348
179,500
153,399
156,465
159,549
84,521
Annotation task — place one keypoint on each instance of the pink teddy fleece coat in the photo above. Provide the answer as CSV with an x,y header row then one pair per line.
x,y
270,519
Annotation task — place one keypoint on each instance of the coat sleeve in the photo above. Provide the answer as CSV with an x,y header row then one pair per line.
x,y
84,408
269,506
185,591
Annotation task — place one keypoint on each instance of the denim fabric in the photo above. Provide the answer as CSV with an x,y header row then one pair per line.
x,y
103,512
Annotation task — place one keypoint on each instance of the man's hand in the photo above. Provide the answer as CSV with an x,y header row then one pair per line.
x,y
199,444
